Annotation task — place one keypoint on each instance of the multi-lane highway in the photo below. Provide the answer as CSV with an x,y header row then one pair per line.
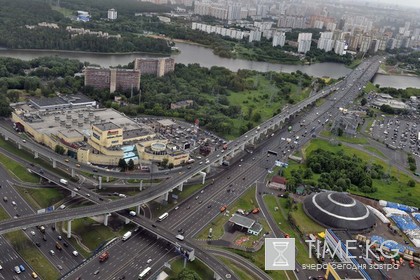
x,y
150,193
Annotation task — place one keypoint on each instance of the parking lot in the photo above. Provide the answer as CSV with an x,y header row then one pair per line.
x,y
184,135
398,133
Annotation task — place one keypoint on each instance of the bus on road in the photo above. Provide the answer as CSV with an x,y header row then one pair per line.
x,y
163,217
144,273
272,152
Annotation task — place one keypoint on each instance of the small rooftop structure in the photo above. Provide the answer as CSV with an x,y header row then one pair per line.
x,y
106,126
241,221
166,122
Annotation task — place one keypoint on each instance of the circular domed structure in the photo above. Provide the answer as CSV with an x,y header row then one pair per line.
x,y
158,147
338,211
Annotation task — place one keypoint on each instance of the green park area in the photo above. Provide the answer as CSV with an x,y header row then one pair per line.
x,y
42,197
23,154
352,140
196,267
387,182
18,170
92,234
281,216
27,249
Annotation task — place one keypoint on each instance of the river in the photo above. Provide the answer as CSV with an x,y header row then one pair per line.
x,y
204,56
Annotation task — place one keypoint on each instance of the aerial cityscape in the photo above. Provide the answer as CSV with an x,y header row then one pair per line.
x,y
210,139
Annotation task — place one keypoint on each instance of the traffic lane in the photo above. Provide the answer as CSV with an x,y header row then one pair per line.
x,y
23,208
153,256
20,207
9,259
215,193
118,255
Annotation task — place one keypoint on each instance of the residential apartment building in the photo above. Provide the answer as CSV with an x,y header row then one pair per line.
x,y
304,42
154,66
112,79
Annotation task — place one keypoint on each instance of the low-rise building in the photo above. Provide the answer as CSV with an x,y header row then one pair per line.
x,y
181,104
245,223
97,136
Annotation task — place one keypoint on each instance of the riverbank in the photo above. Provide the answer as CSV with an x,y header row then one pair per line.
x,y
86,52
395,71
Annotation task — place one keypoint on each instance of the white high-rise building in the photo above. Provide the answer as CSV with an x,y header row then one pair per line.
x,y
112,14
255,35
234,12
304,42
340,47
325,41
279,39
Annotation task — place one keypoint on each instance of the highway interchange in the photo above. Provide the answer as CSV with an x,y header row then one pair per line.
x,y
240,177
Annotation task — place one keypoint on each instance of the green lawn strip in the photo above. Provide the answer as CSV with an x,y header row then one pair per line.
x,y
30,157
158,209
320,101
3,214
395,189
352,140
258,258
197,266
238,270
42,197
93,233
280,217
18,170
246,202
354,63
305,224
370,87
32,255
369,123
375,151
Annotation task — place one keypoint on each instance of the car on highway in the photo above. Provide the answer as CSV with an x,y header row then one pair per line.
x,y
149,261
17,269
13,203
34,275
5,199
59,237
75,253
32,233
176,208
96,272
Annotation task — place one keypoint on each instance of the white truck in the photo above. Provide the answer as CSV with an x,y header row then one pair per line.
x,y
126,235
63,181
132,213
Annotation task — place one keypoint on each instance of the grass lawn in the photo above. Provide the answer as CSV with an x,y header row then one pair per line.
x,y
18,170
32,255
200,268
352,140
238,270
3,214
280,217
370,87
354,63
319,102
42,197
245,202
374,150
258,258
304,223
93,233
30,157
395,189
